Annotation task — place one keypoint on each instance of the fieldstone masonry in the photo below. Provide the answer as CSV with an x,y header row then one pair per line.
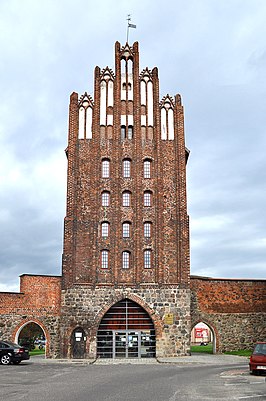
x,y
233,309
84,307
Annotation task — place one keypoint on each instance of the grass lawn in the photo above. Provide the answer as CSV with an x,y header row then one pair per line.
x,y
206,349
240,352
37,351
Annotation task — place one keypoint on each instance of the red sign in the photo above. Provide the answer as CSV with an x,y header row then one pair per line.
x,y
201,332
198,333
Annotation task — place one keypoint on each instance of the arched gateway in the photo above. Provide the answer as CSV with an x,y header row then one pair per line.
x,y
126,331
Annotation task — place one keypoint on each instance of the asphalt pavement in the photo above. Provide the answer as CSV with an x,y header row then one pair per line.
x,y
199,377
195,358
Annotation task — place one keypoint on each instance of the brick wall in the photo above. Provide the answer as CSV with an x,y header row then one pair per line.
x,y
39,295
235,310
39,301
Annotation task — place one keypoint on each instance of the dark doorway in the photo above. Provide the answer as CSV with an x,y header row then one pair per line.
x,y
78,342
126,331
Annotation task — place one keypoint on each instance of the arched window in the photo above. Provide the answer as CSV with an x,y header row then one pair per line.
x,y
147,259
123,132
104,259
125,259
126,229
126,168
81,122
126,132
147,198
105,168
126,198
129,66
147,169
130,132
105,198
105,229
147,229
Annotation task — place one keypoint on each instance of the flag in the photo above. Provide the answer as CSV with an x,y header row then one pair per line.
x,y
132,26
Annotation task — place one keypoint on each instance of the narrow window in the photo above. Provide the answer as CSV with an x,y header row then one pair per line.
x,y
147,259
104,259
126,168
105,168
147,169
147,198
123,132
126,199
105,198
126,230
147,230
130,132
125,259
105,229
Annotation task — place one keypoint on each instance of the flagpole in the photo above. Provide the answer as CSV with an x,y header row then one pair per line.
x,y
129,25
128,19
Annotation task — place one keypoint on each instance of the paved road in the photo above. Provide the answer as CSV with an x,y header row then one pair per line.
x,y
216,378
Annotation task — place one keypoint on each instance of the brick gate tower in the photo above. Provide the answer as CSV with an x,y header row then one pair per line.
x,y
126,236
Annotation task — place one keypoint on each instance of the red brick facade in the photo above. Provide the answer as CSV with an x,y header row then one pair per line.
x,y
126,225
229,295
167,214
39,295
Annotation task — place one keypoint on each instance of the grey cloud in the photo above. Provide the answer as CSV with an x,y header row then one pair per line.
x,y
212,53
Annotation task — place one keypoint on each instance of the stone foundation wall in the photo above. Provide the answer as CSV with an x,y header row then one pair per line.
x,y
84,307
12,324
235,310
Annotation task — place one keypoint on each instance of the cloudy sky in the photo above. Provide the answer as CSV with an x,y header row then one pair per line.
x,y
212,52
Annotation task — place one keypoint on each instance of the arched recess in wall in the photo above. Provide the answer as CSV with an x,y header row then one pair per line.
x,y
203,338
33,335
78,343
126,331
